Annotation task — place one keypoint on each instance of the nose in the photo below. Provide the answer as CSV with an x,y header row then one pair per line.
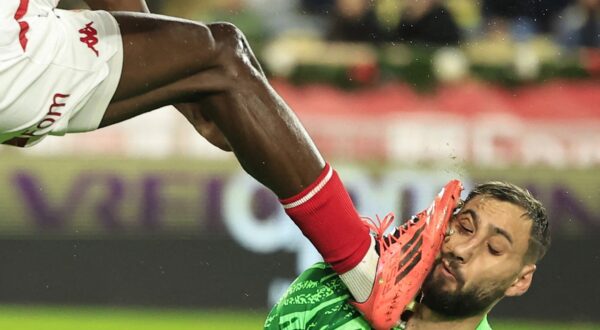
x,y
460,250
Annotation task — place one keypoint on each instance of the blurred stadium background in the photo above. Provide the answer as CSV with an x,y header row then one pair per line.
x,y
145,226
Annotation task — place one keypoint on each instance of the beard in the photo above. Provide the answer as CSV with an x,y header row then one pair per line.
x,y
461,302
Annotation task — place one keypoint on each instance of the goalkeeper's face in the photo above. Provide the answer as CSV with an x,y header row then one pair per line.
x,y
482,261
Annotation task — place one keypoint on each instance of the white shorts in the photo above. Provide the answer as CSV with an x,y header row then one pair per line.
x,y
66,76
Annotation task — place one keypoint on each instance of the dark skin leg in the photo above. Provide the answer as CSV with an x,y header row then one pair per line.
x,y
191,111
169,61
166,61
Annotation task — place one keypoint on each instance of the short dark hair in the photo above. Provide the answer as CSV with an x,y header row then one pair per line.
x,y
539,238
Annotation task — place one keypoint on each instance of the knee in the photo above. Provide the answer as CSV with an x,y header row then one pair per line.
x,y
234,51
226,35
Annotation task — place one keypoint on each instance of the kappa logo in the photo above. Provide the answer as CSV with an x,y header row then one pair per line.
x,y
90,37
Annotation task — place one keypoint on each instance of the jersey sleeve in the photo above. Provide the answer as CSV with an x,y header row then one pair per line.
x,y
317,299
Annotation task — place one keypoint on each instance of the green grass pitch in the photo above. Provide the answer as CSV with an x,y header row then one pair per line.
x,y
107,318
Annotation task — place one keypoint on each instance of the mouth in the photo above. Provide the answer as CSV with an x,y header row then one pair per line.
x,y
447,270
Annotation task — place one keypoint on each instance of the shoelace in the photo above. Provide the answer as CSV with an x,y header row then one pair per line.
x,y
379,227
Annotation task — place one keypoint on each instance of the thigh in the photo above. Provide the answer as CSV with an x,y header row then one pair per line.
x,y
166,60
159,50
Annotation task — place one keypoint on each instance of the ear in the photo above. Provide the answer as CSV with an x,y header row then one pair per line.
x,y
522,282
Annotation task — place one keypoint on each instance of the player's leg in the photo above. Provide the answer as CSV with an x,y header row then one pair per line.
x,y
167,61
273,146
170,61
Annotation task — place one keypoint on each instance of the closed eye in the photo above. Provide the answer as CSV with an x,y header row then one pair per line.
x,y
464,226
465,229
494,251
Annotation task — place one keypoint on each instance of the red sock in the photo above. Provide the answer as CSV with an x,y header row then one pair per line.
x,y
326,216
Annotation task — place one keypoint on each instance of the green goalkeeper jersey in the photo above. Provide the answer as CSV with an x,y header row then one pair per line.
x,y
319,300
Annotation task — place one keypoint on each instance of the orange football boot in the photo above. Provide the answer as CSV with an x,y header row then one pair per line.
x,y
406,257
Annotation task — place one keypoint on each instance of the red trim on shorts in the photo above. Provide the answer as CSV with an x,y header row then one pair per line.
x,y
21,11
